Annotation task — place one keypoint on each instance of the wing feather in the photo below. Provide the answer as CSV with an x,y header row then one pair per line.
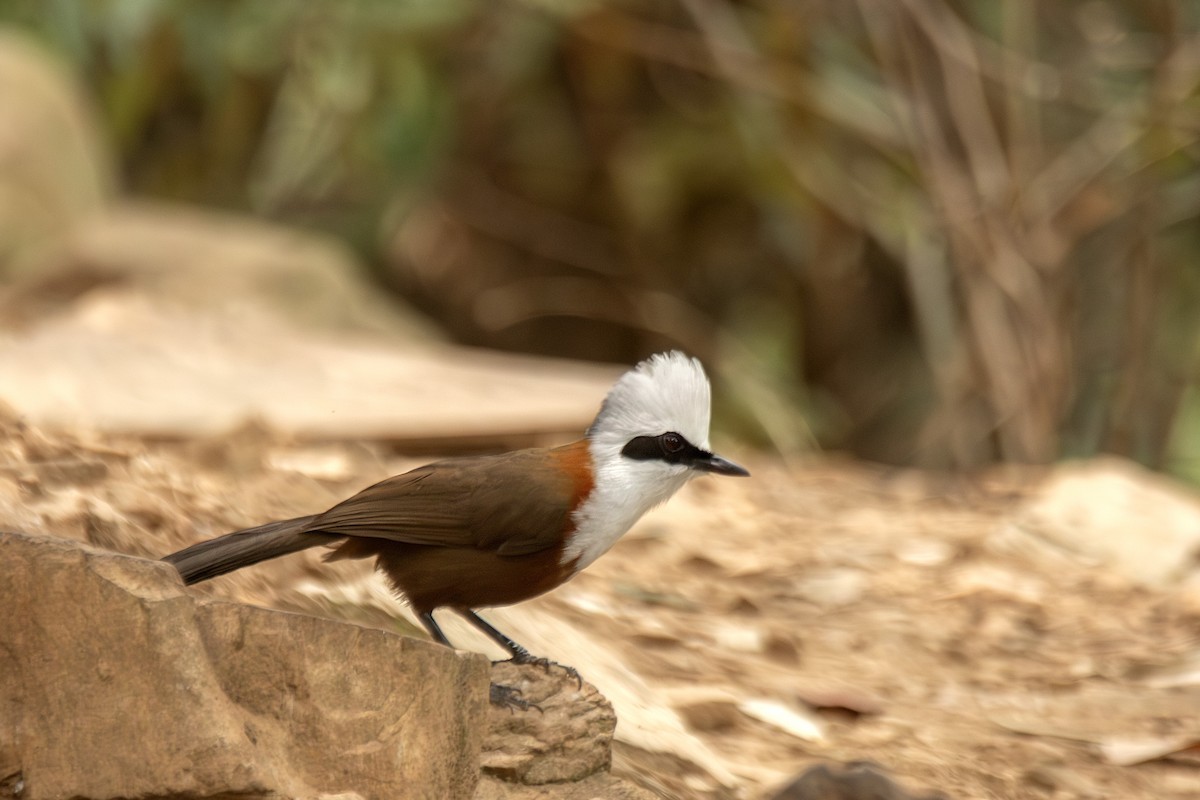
x,y
513,504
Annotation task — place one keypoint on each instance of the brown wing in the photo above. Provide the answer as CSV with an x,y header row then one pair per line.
x,y
512,504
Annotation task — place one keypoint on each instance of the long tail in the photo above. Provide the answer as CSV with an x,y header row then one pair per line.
x,y
239,549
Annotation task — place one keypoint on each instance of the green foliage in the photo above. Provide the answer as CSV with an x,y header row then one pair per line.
x,y
941,232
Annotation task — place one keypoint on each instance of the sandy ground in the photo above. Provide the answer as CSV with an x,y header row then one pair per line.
x,y
750,628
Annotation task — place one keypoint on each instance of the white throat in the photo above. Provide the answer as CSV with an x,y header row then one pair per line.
x,y
623,491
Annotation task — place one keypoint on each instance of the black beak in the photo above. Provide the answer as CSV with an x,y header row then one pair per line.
x,y
710,462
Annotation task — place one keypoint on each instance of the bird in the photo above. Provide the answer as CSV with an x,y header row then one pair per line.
x,y
493,530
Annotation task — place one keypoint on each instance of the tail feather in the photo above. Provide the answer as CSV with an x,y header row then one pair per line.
x,y
239,549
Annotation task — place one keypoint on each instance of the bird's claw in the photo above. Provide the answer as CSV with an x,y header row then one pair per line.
x,y
546,664
510,697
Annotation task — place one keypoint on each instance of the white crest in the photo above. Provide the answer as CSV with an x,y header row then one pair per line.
x,y
665,393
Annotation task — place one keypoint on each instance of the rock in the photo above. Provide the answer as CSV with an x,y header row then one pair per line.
x,y
858,780
112,363
115,682
198,259
54,172
350,707
560,750
1139,524
568,739
600,786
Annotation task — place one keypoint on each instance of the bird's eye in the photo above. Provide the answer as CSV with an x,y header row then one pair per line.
x,y
672,442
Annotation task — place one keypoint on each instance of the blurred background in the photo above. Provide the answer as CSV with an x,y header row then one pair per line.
x,y
923,232
257,254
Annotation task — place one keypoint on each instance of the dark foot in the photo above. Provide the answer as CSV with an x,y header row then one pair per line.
x,y
509,697
519,654
523,657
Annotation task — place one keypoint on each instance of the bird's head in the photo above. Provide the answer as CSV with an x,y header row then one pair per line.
x,y
653,425
649,439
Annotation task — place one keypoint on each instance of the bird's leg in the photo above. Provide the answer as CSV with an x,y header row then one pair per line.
x,y
431,625
504,696
519,654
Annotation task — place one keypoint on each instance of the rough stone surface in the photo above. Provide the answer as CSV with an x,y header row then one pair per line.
x,y
334,699
560,750
600,786
114,682
567,737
